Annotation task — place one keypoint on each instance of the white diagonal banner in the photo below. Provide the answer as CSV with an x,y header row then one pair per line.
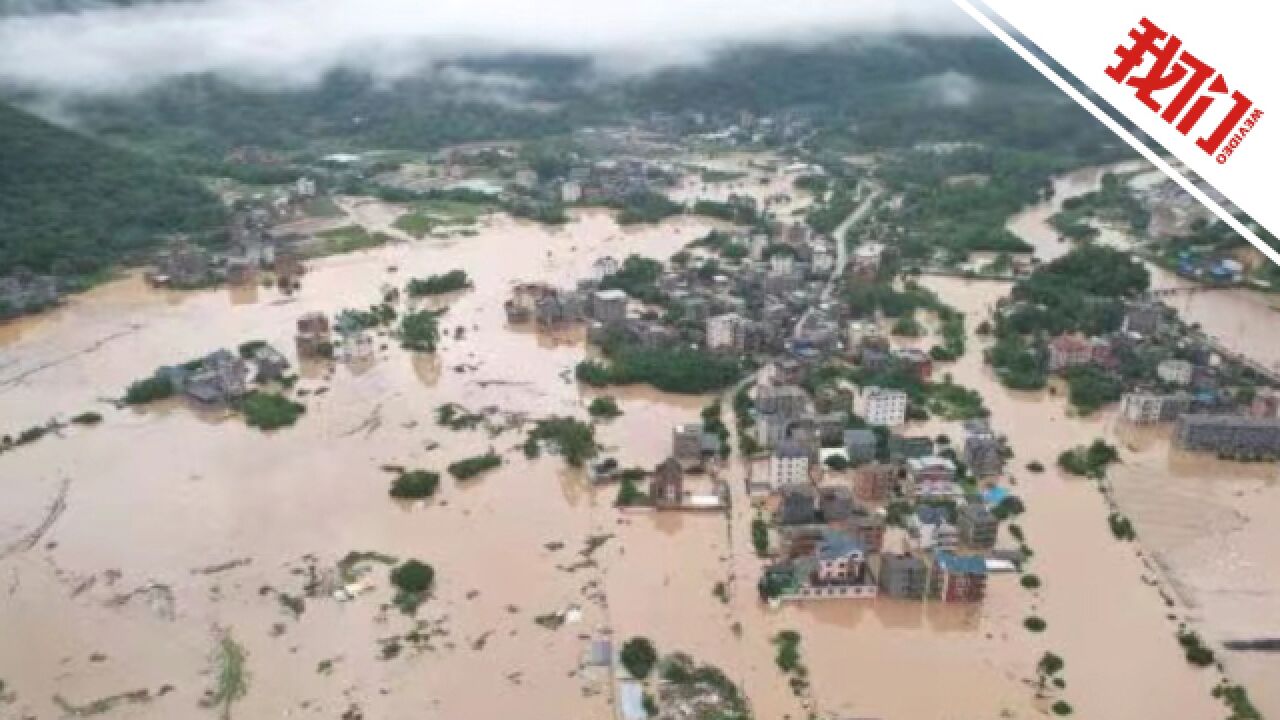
x,y
1195,77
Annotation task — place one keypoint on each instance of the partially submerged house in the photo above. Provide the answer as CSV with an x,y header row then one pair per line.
x,y
667,487
219,377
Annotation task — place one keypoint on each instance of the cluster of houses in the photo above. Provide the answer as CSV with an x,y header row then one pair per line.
x,y
222,377
605,311
685,481
547,306
1187,386
525,191
835,535
731,129
185,265
833,525
346,340
747,306
254,246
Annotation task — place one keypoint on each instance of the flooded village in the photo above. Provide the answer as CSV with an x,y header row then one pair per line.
x,y
658,458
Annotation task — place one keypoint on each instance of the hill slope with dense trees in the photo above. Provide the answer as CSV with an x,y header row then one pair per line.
x,y
71,205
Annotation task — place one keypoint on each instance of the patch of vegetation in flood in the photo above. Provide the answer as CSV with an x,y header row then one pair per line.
x,y
1089,388
704,689
415,485
356,563
420,330
638,656
1236,698
1091,461
788,660
106,704
413,581
270,411
673,369
473,466
457,208
645,207
414,224
550,621
451,281
573,439
456,417
629,492
231,677
1197,653
292,603
346,239
88,417
604,407
28,436
351,319
760,536
1121,527
147,390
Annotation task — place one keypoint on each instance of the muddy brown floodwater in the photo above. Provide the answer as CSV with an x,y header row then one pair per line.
x,y
1203,523
155,495
171,524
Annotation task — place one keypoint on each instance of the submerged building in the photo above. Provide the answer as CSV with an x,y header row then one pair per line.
x,y
1231,435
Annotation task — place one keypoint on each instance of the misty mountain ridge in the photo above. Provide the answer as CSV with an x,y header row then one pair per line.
x,y
875,83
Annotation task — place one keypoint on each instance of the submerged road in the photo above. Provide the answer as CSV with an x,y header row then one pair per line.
x,y
842,253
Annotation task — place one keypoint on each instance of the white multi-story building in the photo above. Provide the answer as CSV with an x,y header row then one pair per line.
x,y
726,332
1175,372
789,465
882,406
1141,408
570,192
823,261
866,257
526,178
1144,408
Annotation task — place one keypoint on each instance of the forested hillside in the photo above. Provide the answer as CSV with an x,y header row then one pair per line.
x,y
72,205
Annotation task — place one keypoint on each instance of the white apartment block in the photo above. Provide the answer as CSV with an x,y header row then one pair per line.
x,y
570,192
1175,372
789,465
882,406
1145,408
1141,408
725,332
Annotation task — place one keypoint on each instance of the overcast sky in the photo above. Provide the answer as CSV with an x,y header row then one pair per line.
x,y
296,41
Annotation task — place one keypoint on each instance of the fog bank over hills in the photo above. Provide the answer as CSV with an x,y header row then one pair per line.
x,y
102,47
